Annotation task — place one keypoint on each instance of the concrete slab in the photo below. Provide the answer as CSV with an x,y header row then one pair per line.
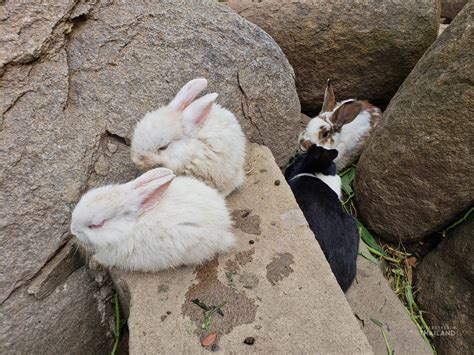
x,y
276,285
371,297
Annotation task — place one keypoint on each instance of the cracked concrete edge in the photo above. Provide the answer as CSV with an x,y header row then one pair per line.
x,y
371,297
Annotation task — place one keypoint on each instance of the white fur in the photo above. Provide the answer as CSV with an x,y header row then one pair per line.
x,y
333,181
205,140
187,224
349,142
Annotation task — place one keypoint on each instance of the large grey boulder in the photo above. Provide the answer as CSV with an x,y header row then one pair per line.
x,y
445,280
366,47
75,77
417,171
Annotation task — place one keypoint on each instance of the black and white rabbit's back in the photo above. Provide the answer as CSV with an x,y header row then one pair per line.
x,y
335,230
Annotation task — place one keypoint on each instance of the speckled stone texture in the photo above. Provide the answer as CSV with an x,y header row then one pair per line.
x,y
445,279
366,47
416,174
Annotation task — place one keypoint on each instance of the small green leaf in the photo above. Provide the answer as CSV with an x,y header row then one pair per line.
x,y
369,239
346,181
369,257
206,322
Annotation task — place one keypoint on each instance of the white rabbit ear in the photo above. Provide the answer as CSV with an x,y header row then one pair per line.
x,y
329,98
187,94
196,114
346,113
149,188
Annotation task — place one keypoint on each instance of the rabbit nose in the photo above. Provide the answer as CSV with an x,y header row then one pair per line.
x,y
143,163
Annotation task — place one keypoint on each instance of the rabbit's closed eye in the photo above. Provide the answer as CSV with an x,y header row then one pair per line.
x,y
163,147
97,225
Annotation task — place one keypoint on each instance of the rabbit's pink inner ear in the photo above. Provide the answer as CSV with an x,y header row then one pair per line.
x,y
187,94
151,199
329,98
196,114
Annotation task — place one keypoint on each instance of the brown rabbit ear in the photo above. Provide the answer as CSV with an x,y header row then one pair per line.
x,y
345,114
329,98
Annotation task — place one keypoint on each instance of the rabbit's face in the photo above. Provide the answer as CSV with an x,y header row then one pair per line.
x,y
169,136
158,140
106,216
102,217
320,131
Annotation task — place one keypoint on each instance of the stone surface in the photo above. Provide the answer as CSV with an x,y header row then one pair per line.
x,y
276,285
450,8
445,280
367,48
55,272
417,172
77,75
371,297
67,321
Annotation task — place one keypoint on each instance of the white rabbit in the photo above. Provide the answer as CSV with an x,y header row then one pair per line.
x,y
193,137
344,126
154,222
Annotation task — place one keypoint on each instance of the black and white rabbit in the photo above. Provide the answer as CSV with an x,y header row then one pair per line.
x,y
317,189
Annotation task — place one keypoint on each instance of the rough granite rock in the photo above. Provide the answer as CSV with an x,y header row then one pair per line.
x,y
445,280
67,321
75,76
417,171
450,8
366,47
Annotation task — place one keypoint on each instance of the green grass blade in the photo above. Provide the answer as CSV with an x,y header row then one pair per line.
x,y
369,257
369,239
118,325
409,298
384,334
376,322
462,219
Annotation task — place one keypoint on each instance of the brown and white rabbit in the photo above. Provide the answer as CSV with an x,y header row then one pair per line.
x,y
194,137
344,126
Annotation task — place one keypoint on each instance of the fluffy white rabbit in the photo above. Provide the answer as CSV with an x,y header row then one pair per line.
x,y
154,222
193,137
344,126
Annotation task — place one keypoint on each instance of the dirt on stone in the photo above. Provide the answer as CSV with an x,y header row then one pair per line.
x,y
246,221
238,309
280,267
